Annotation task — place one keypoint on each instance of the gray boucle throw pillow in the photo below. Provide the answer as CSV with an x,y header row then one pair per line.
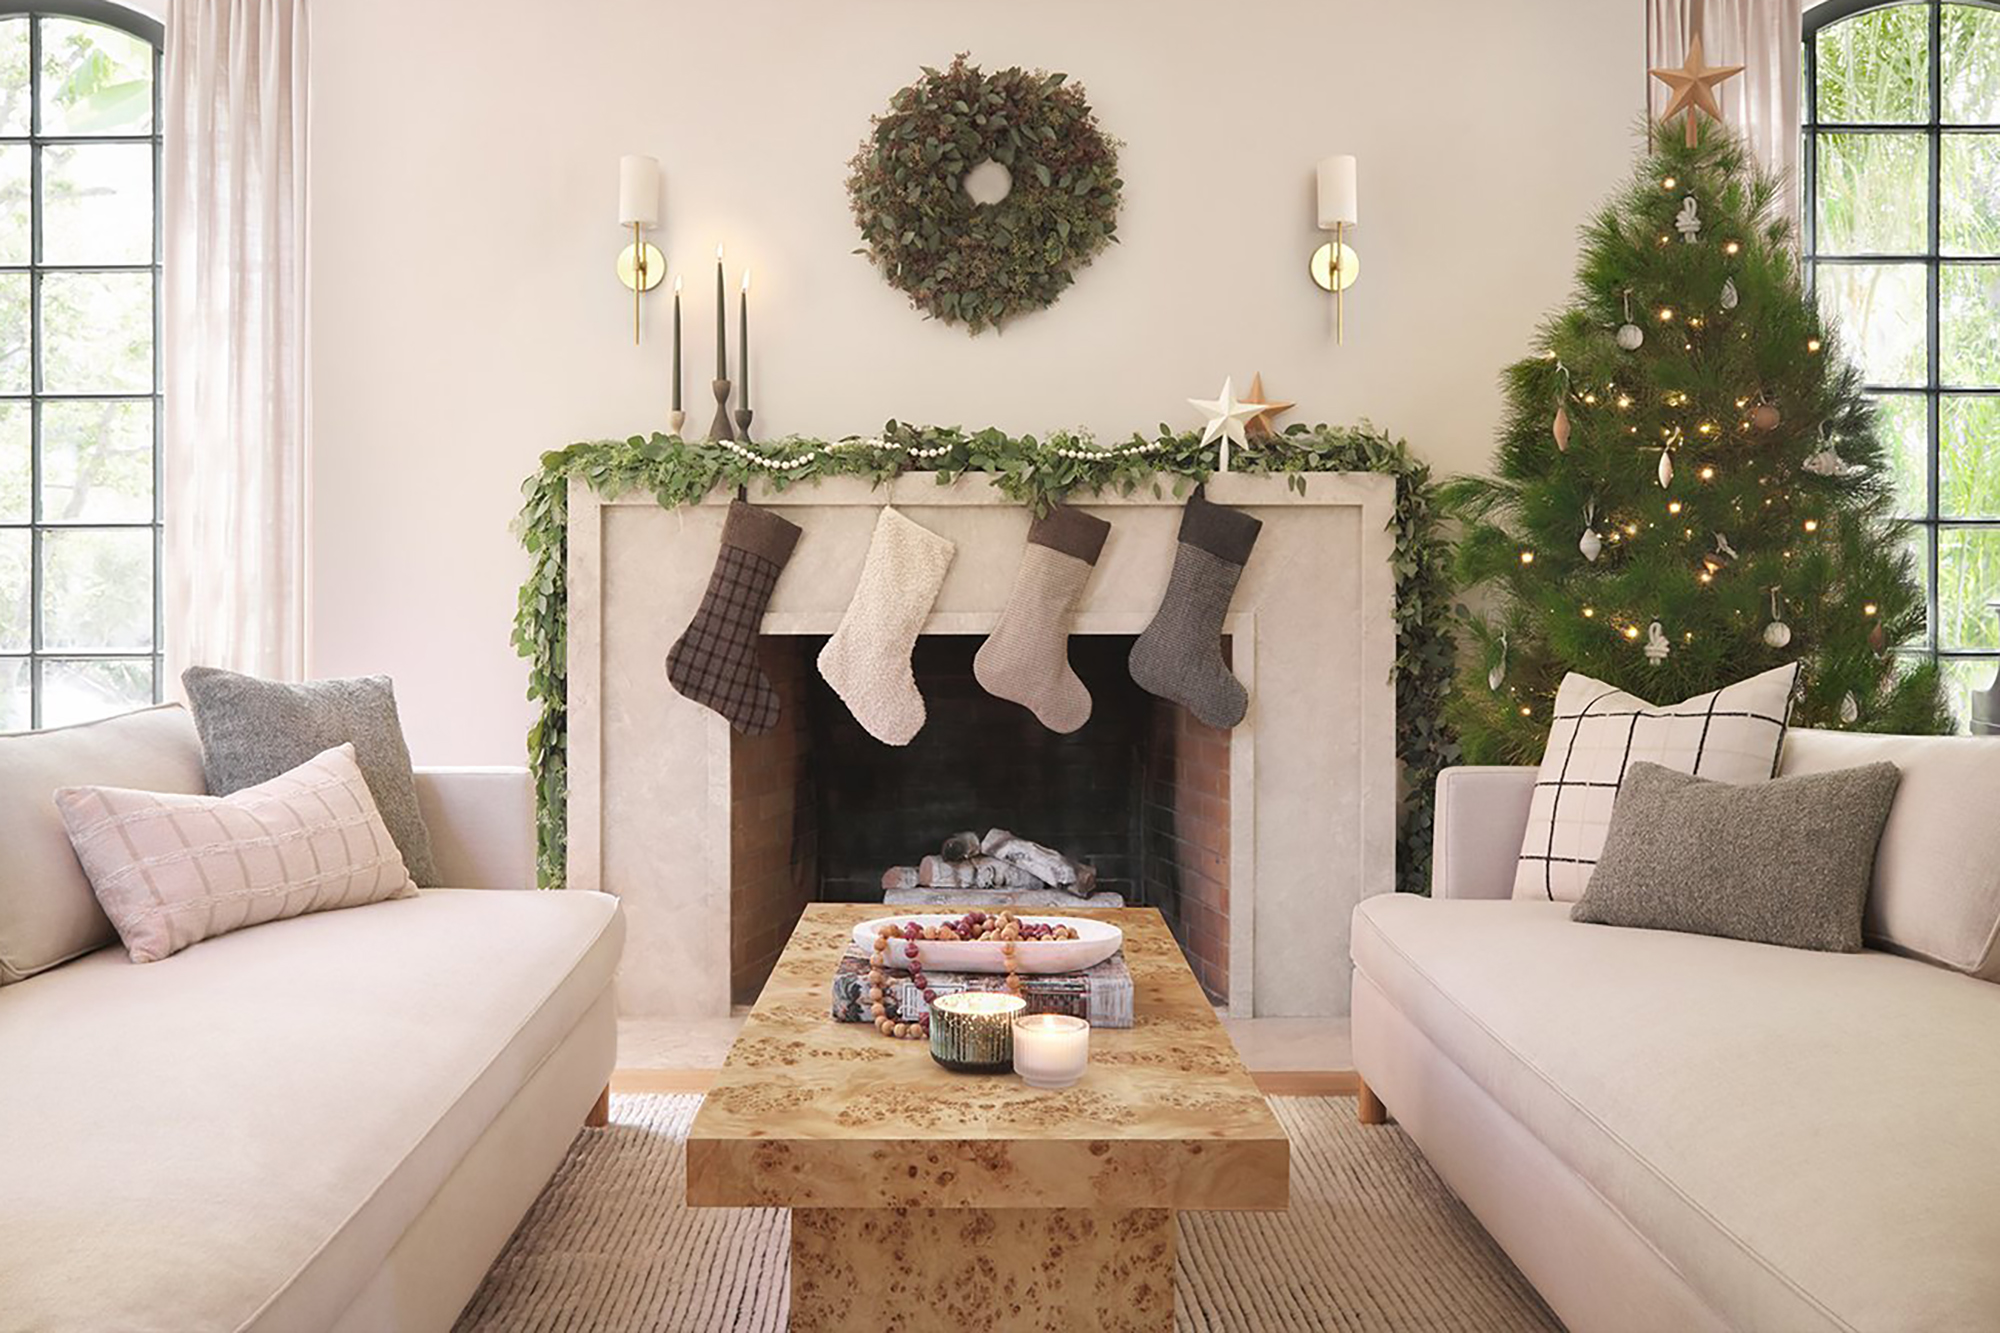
x,y
252,730
1785,862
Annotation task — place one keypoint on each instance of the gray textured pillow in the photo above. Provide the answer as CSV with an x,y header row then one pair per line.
x,y
1786,862
253,730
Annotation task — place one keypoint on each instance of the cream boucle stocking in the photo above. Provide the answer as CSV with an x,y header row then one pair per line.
x,y
867,661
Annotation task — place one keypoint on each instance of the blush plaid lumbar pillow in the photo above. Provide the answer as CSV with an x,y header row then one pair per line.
x,y
1730,735
173,870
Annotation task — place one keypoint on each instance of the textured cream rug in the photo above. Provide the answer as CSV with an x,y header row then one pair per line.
x,y
1373,1241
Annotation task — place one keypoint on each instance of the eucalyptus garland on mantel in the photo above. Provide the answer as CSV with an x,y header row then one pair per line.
x,y
1036,472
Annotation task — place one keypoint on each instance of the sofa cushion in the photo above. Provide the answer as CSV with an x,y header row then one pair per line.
x,y
1728,735
1779,862
48,914
236,1136
252,730
1936,891
1806,1137
172,870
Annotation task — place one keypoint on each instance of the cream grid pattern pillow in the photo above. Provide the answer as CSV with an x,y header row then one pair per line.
x,y
172,870
1731,735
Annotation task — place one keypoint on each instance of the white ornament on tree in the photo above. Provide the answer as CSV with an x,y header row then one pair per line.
x,y
1777,634
1657,647
1498,673
1590,543
1729,298
1850,708
1827,462
1688,221
1228,419
1722,547
1630,336
1666,469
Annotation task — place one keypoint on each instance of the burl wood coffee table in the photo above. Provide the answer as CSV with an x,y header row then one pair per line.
x,y
923,1199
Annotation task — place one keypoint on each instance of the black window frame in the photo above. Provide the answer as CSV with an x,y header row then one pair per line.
x,y
1934,392
151,31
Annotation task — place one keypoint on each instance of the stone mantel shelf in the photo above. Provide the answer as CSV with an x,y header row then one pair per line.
x,y
1312,634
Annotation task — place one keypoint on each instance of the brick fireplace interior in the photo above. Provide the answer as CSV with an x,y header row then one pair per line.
x,y
819,809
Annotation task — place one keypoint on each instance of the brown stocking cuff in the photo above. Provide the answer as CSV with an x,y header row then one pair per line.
x,y
1225,533
760,532
1072,532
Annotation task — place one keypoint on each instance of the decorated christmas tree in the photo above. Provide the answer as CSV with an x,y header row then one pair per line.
x,y
1690,489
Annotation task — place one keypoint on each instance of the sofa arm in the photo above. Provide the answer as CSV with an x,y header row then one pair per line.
x,y
1482,813
482,826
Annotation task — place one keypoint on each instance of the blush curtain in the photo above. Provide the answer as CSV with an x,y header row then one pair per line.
x,y
1761,103
233,318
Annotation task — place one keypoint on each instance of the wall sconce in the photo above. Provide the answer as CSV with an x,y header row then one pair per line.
x,y
1335,266
641,266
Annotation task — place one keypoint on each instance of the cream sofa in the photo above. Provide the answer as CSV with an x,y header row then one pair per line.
x,y
331,1122
1675,1132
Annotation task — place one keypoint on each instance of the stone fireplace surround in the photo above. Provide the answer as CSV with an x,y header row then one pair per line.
x,y
1311,770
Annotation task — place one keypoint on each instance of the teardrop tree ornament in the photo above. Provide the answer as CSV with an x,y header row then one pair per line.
x,y
1729,298
1850,708
1560,427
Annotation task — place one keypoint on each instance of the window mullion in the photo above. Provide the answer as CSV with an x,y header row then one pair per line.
x,y
35,589
1933,343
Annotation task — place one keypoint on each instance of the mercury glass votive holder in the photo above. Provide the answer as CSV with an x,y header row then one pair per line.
x,y
1050,1050
972,1032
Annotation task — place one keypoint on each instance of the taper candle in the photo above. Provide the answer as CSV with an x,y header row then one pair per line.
x,y
743,340
677,342
721,326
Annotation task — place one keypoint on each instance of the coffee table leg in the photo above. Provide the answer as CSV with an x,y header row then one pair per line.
x,y
982,1270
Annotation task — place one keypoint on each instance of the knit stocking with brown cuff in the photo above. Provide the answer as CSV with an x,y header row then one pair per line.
x,y
715,662
1179,657
1026,660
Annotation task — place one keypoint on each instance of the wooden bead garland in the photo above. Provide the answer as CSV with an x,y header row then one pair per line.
x,y
1003,926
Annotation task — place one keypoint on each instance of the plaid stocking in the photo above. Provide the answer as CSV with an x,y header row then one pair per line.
x,y
715,662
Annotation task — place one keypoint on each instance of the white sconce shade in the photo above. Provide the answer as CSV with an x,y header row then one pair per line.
x,y
1337,203
639,191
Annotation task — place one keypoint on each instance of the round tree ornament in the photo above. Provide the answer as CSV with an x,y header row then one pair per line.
x,y
981,195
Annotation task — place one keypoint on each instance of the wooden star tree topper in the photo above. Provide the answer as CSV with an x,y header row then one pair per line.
x,y
1693,84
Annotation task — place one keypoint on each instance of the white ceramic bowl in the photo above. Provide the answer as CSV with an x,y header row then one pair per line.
x,y
1095,942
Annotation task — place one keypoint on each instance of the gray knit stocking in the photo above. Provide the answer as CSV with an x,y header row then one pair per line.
x,y
1179,657
1027,658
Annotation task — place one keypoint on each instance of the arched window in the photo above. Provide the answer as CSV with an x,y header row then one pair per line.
x,y
79,362
1902,239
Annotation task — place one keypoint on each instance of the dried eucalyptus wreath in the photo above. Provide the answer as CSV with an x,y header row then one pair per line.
x,y
980,264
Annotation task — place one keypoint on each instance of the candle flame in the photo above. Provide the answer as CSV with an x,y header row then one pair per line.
x,y
677,284
746,279
718,252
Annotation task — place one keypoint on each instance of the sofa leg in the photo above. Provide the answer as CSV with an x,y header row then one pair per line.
x,y
1368,1107
600,1114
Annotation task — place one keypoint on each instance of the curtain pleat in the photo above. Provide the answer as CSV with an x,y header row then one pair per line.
x,y
233,204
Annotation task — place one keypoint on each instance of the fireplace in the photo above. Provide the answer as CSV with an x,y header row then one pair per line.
x,y
1255,843
819,809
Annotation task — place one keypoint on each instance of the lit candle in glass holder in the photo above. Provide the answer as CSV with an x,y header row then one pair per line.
x,y
1050,1050
972,1032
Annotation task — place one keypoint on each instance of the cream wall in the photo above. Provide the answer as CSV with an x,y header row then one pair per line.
x,y
465,316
